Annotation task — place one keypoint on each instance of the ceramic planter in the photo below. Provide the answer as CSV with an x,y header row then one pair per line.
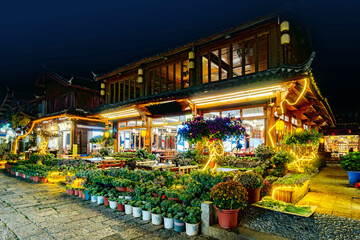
x,y
136,212
36,178
192,229
83,195
128,209
156,219
100,200
121,197
68,191
253,195
71,192
93,198
354,177
179,225
113,204
121,207
87,195
227,218
168,223
17,174
146,215
128,197
106,201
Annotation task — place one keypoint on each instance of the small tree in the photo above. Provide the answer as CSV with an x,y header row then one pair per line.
x,y
212,132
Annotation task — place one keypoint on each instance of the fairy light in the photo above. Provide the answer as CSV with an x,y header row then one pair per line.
x,y
282,109
286,188
213,153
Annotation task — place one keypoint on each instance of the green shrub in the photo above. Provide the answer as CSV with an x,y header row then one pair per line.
x,y
249,180
351,161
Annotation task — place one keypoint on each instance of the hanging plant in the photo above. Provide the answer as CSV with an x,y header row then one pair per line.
x,y
19,120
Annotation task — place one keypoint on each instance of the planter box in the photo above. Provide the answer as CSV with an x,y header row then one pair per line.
x,y
290,194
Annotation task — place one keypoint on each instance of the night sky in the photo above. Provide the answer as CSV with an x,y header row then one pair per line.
x,y
78,37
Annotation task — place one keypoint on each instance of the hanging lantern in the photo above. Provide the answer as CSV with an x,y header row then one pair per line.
x,y
322,140
332,138
140,75
191,60
107,134
285,39
280,126
102,86
143,133
299,130
284,26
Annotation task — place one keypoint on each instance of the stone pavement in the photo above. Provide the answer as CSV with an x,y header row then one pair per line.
x,y
331,192
43,211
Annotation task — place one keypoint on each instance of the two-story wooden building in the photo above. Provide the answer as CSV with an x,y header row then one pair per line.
x,y
259,71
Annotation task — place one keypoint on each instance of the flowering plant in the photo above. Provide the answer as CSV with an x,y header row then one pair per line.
x,y
229,195
249,180
198,128
265,189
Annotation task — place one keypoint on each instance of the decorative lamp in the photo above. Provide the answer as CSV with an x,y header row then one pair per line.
x,y
191,60
332,138
102,92
299,130
285,39
107,134
322,140
348,137
102,85
284,26
143,133
140,75
280,126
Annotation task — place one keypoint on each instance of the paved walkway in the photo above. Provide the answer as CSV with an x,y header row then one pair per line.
x,y
43,211
331,192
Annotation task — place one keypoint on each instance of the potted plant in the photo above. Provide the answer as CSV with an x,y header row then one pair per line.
x,y
351,163
120,184
173,194
146,215
252,182
156,217
113,202
68,188
168,220
128,207
120,205
179,224
100,198
186,197
137,208
192,220
291,187
76,191
228,198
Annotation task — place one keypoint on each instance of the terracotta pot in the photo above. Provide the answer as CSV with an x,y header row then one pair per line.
x,y
120,189
71,192
253,195
130,189
228,218
121,208
83,195
67,191
43,180
76,192
106,201
13,173
36,178
155,195
175,199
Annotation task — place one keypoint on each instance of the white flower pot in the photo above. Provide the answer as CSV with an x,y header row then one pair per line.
x,y
128,197
24,176
128,209
100,200
121,197
156,219
93,198
137,212
146,215
113,204
168,223
144,202
192,229
17,174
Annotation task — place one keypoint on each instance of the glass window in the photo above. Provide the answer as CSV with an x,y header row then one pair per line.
x,y
171,119
122,124
163,79
121,91
211,115
225,63
263,52
255,129
231,113
157,121
171,77
214,66
126,89
253,112
131,123
185,72
178,76
112,88
205,69
237,59
286,118
249,56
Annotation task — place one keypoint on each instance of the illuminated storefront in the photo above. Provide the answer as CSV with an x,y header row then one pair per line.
x,y
341,144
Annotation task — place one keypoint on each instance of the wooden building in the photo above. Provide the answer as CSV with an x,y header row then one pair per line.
x,y
259,71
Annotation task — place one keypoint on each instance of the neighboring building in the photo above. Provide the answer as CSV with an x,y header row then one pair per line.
x,y
248,71
60,105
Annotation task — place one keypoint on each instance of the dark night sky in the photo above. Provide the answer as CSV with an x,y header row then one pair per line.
x,y
80,36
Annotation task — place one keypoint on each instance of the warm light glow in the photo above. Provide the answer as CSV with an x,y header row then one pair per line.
x,y
286,188
282,110
143,133
280,126
300,159
107,134
322,140
284,26
299,130
213,152
129,112
285,39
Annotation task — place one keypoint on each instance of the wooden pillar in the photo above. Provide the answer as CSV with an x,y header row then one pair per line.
x,y
148,134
